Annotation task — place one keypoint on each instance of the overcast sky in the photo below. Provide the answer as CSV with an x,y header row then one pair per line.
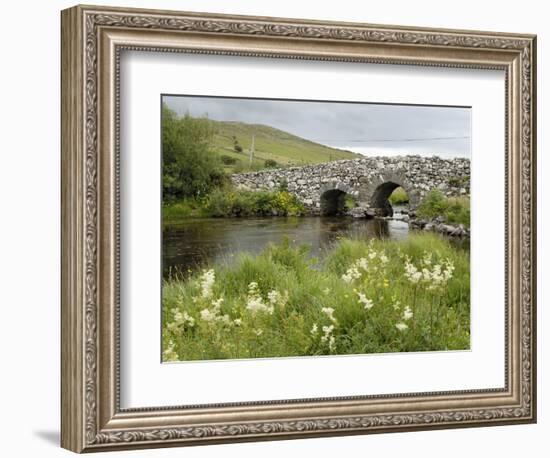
x,y
370,129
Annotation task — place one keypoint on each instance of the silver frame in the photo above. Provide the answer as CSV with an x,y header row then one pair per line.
x,y
92,40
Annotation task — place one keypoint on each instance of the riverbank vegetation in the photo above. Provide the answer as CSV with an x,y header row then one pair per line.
x,y
399,197
380,296
230,202
453,210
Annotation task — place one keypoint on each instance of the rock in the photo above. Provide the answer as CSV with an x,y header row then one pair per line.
x,y
357,212
446,228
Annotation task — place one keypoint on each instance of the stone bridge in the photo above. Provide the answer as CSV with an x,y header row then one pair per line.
x,y
322,188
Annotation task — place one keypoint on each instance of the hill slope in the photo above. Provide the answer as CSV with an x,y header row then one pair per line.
x,y
269,144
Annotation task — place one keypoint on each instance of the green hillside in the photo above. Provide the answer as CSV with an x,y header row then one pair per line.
x,y
269,144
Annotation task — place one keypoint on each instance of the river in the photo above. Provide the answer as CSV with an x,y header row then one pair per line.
x,y
196,242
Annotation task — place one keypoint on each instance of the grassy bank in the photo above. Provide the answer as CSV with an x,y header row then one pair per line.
x,y
454,210
399,196
230,202
382,296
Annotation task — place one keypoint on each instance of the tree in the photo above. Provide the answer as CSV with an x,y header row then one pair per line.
x,y
190,167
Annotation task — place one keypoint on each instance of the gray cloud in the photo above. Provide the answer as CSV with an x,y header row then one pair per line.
x,y
370,129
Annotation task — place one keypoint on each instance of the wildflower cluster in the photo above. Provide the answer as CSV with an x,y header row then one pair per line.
x,y
329,312
169,353
207,283
372,262
367,303
255,303
180,321
389,298
328,337
214,314
432,275
406,316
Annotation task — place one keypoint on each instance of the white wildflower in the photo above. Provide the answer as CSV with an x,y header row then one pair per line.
x,y
373,254
207,315
237,321
224,319
362,263
253,288
329,312
327,337
383,259
255,303
183,319
412,273
314,329
258,332
188,319
449,269
402,326
273,297
207,282
217,304
367,303
407,313
172,327
327,331
169,353
351,274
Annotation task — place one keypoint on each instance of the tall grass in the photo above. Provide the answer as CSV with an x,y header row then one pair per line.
x,y
381,296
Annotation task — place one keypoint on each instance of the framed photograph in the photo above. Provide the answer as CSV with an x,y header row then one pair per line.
x,y
277,228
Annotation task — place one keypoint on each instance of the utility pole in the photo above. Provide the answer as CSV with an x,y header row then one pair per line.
x,y
251,150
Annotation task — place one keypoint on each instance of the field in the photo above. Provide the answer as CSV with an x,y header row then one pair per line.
x,y
376,297
270,144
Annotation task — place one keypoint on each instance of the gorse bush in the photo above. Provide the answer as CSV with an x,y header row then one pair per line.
x,y
454,210
381,296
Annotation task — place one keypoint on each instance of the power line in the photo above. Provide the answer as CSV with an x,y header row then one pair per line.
x,y
394,140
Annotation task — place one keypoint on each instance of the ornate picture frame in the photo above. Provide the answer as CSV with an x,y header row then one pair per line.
x,y
93,39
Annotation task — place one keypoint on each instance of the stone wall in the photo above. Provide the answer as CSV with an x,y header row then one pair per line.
x,y
370,180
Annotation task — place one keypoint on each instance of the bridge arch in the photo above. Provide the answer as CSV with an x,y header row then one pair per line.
x,y
381,188
333,198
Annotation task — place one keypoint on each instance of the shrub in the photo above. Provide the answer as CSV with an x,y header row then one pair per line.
x,y
190,166
454,210
270,163
233,202
228,160
399,196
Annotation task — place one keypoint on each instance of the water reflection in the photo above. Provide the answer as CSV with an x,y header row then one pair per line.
x,y
197,242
